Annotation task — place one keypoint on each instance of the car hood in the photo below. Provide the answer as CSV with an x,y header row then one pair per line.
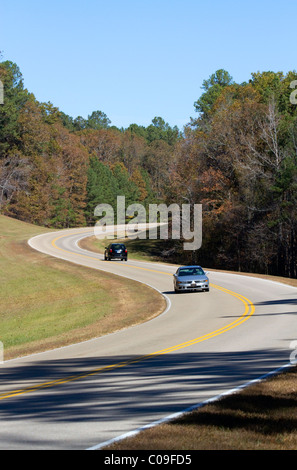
x,y
194,277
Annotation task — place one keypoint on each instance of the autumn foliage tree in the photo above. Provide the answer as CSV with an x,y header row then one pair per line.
x,y
239,160
237,157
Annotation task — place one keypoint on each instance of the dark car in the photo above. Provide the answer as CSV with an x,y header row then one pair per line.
x,y
116,251
190,278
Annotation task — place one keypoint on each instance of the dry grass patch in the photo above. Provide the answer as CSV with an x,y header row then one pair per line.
x,y
261,417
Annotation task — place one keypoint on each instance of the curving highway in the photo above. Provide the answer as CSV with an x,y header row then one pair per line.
x,y
202,346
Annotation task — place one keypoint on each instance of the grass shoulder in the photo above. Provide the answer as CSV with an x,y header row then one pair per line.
x,y
47,303
260,417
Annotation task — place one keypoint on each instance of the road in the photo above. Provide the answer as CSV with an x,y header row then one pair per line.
x,y
201,346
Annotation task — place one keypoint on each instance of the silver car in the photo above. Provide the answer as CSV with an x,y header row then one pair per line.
x,y
190,278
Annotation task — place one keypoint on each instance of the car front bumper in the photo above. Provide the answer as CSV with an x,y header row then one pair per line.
x,y
192,287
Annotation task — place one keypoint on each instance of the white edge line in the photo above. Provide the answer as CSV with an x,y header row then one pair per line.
x,y
188,410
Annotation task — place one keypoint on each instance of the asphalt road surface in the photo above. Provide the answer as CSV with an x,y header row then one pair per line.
x,y
203,345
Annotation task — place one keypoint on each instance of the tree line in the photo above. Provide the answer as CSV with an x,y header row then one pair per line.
x,y
54,169
237,157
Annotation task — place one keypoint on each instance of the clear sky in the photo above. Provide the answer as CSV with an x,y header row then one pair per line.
x,y
137,59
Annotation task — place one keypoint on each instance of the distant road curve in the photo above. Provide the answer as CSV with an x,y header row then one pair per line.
x,y
205,344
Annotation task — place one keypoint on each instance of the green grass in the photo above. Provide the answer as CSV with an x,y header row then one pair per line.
x,y
46,302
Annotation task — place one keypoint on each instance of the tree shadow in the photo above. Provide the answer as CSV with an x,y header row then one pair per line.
x,y
291,302
119,387
253,410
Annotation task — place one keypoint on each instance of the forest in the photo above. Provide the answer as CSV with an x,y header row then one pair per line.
x,y
237,157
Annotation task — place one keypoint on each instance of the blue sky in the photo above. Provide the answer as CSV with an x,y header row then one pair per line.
x,y
135,60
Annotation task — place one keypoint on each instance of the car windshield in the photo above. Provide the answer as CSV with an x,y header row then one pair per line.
x,y
191,272
118,246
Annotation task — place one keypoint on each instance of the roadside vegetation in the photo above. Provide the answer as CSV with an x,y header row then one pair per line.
x,y
153,251
260,417
47,303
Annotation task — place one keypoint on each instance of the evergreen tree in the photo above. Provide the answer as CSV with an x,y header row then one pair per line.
x,y
126,186
15,96
212,90
102,187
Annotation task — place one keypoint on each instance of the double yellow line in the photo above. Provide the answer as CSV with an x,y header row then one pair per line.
x,y
248,312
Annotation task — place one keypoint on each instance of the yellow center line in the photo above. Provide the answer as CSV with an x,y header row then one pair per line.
x,y
248,312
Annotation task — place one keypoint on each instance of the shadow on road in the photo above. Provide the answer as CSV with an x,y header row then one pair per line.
x,y
165,383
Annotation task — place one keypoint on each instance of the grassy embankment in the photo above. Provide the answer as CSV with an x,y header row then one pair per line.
x,y
262,416
47,303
